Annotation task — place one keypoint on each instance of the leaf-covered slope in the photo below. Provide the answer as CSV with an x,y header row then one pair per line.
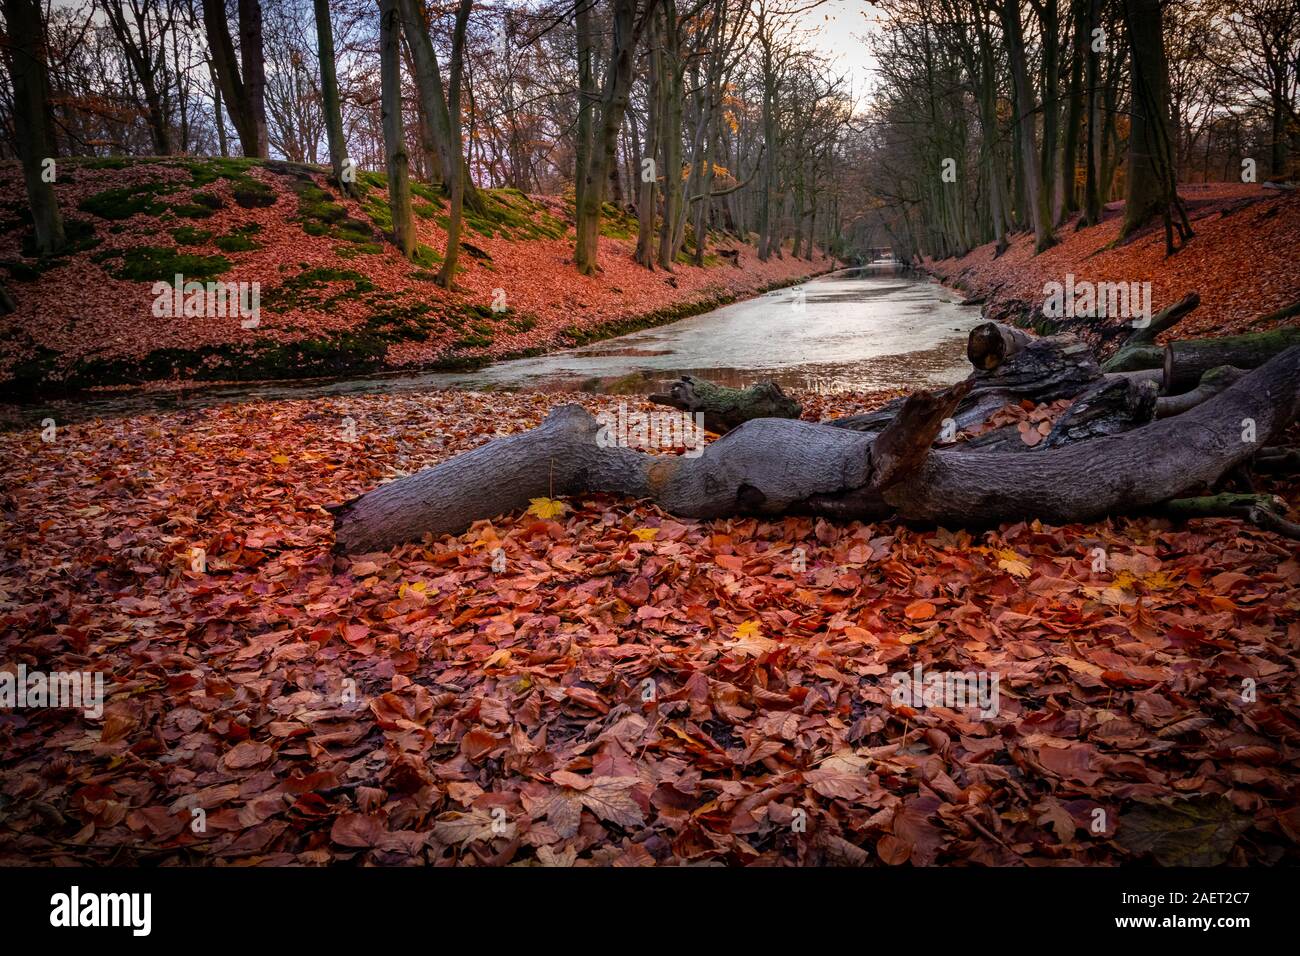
x,y
334,294
1242,261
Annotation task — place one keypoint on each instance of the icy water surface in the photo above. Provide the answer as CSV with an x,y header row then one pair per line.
x,y
856,330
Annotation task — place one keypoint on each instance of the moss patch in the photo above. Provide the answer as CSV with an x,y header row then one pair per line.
x,y
254,194
240,240
128,201
320,215
190,236
312,288
20,271
157,263
206,171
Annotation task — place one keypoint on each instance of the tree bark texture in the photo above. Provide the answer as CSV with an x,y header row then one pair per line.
x,y
778,466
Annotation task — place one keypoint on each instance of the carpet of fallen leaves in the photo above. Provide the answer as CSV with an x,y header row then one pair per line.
x,y
1242,260
77,311
629,689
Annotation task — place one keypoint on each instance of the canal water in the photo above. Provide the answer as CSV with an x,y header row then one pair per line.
x,y
855,330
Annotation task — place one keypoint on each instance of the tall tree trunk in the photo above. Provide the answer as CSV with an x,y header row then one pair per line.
x,y
769,138
1108,147
329,85
447,274
145,64
428,86
1092,201
587,96
1152,187
250,128
614,93
218,116
1277,154
1067,200
29,71
649,179
981,62
671,85
395,158
1049,19
1035,195
254,63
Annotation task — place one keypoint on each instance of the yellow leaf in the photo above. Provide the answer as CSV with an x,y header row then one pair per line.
x,y
645,534
1011,563
280,459
749,629
545,508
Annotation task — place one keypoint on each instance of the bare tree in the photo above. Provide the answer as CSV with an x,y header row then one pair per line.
x,y
448,272
29,71
627,28
244,93
395,155
329,84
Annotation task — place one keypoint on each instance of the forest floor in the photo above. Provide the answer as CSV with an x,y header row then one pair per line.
x,y
335,297
1242,261
626,688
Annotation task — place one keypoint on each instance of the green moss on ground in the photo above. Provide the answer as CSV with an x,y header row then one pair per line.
x,y
124,202
158,263
201,206
190,236
312,288
425,256
430,194
240,239
320,214
254,194
20,271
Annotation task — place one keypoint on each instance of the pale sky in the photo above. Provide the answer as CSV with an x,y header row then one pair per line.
x,y
841,27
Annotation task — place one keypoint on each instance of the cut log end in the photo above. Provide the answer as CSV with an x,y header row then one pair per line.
x,y
991,344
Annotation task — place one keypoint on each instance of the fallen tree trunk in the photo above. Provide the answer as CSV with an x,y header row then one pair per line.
x,y
1212,383
1277,460
1111,406
1279,315
1186,361
1267,511
1037,370
1139,350
779,466
725,408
